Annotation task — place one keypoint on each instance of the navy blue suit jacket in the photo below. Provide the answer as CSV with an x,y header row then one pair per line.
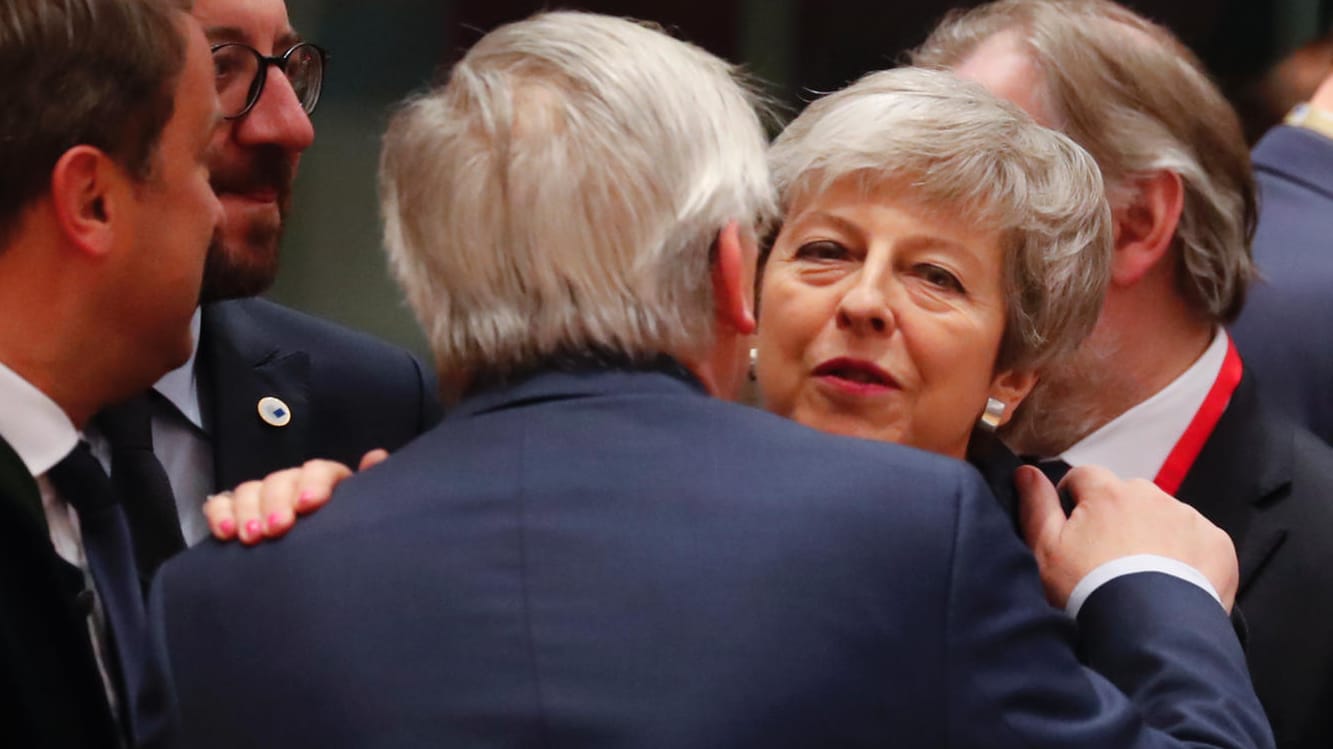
x,y
349,392
1285,333
614,559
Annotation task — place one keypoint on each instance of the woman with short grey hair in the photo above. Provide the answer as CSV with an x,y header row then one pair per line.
x,y
938,247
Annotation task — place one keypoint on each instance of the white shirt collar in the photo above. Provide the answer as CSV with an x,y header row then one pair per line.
x,y
180,387
38,430
1135,444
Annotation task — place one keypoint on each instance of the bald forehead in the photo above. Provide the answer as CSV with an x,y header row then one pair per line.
x,y
1002,65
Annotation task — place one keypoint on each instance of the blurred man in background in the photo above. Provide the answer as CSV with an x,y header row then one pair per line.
x,y
1284,331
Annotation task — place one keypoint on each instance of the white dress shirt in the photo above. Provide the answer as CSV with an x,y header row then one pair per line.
x,y
182,445
180,442
1134,445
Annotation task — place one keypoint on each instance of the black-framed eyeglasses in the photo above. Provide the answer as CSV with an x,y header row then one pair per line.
x,y
241,71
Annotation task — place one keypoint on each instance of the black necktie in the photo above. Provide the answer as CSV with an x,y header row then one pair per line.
x,y
1054,469
82,483
141,484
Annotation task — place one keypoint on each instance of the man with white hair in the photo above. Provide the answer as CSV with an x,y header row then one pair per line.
x,y
591,551
1158,391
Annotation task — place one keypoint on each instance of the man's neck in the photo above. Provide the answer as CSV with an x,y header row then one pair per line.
x,y
1150,357
49,365
1145,340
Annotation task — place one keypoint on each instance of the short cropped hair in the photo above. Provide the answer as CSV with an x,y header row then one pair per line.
x,y
560,194
1128,91
82,72
956,148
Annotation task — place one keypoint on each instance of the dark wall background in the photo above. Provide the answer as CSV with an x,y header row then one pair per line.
x,y
382,50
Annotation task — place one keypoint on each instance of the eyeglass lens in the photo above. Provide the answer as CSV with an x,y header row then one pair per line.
x,y
240,73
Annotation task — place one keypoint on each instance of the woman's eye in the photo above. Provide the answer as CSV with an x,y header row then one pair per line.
x,y
822,250
939,277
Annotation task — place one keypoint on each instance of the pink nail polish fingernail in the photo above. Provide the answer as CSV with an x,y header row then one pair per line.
x,y
305,499
227,527
274,520
252,529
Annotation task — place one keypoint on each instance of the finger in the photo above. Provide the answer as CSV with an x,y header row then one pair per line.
x,y
317,481
277,500
1039,512
221,516
1089,483
245,503
372,459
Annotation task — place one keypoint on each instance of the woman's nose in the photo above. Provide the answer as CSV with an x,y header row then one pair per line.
x,y
865,308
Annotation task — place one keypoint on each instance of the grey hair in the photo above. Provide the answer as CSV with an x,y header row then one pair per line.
x,y
560,194
958,149
1128,91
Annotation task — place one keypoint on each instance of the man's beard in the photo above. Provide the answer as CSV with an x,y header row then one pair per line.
x,y
249,264
1074,397
245,271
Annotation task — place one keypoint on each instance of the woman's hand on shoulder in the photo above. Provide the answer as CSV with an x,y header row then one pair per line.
x,y
268,508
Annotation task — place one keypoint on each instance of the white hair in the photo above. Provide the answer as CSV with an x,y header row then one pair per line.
x,y
956,148
1125,89
560,194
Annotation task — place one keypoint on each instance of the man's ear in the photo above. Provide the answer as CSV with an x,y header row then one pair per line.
x,y
86,186
1011,387
733,279
1145,227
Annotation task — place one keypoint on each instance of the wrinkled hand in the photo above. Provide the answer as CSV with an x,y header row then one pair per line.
x,y
1114,518
267,508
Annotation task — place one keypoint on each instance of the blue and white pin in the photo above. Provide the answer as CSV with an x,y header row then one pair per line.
x,y
274,411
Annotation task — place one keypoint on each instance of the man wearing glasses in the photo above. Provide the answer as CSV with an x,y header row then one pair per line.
x,y
268,387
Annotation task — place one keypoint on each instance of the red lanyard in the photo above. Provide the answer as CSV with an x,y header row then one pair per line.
x,y
1183,455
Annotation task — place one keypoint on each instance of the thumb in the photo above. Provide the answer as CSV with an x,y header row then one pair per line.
x,y
1039,512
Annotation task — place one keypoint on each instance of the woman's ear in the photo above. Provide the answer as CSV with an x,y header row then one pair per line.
x,y
1010,387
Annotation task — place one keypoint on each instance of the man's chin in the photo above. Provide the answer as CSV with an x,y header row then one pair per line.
x,y
235,273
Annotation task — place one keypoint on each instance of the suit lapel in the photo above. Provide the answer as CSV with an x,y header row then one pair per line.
x,y
17,487
1243,469
238,369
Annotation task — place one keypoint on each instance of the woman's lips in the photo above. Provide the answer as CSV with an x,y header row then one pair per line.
x,y
854,376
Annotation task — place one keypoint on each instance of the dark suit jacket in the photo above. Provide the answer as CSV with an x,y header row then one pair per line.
x,y
349,392
53,693
611,558
1269,484
1284,331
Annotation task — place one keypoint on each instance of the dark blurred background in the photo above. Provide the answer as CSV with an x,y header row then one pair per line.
x,y
1266,56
